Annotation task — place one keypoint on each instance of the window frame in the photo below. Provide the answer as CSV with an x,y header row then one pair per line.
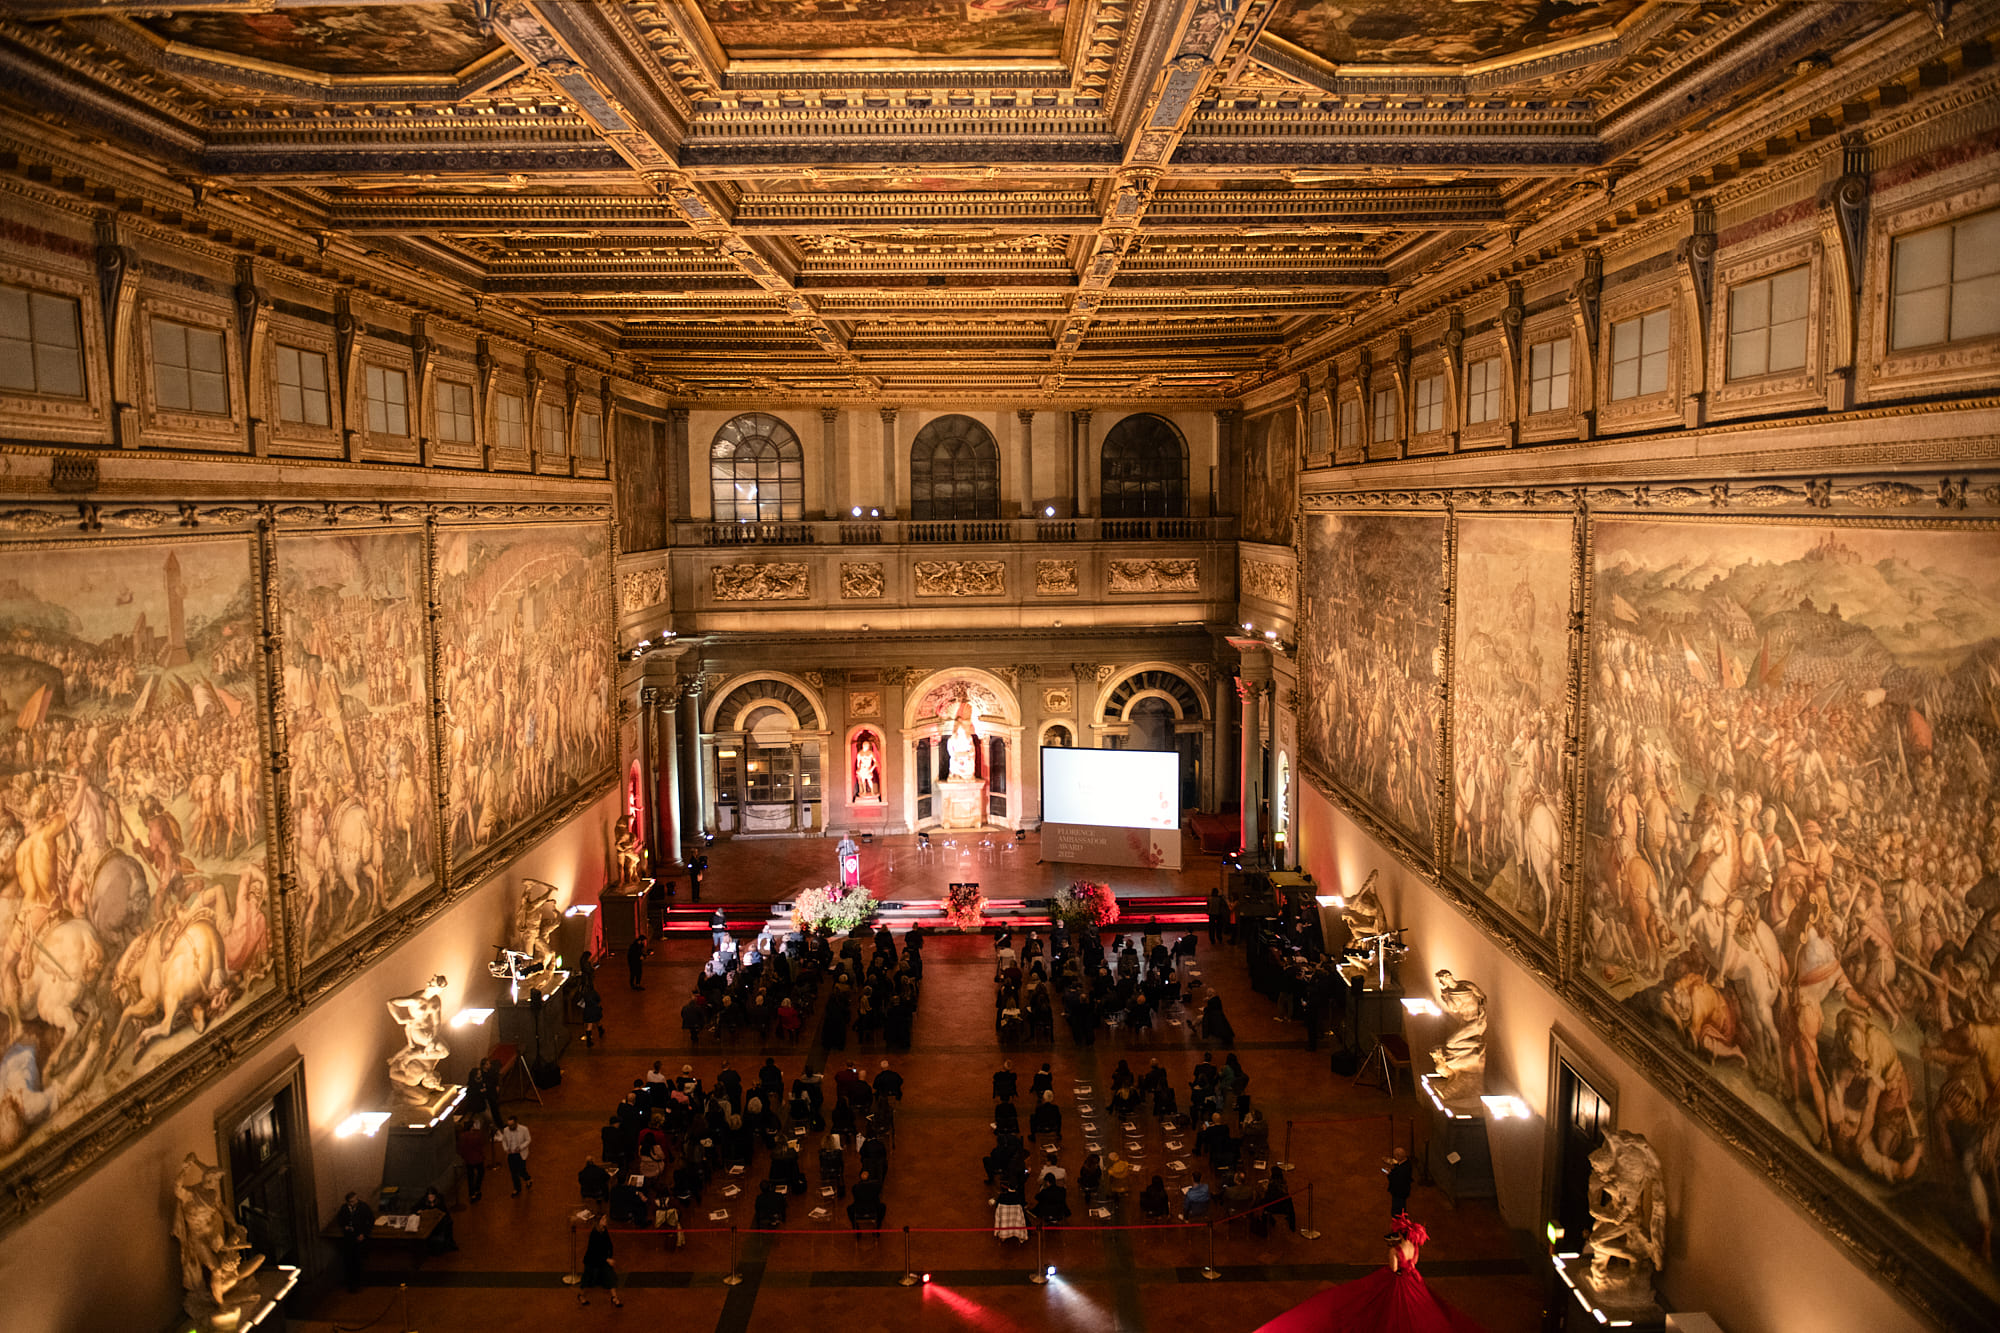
x,y
768,469
1485,384
30,292
57,420
1953,195
1795,389
551,406
1556,324
588,422
372,371
441,386
166,427
967,471
1390,396
1950,285
1347,441
1643,323
211,379
1767,329
1624,304
512,454
280,346
1159,491
1433,417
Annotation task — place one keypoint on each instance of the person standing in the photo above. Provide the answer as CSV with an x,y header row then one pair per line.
x,y
472,1155
635,962
1402,1174
356,1223
514,1141
697,866
598,1270
590,1008
1218,915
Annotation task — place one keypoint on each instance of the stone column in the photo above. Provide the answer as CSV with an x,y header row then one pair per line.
x,y
1079,457
798,786
1272,786
649,759
888,462
1247,691
681,488
1027,421
1228,493
898,787
694,804
1028,763
1224,771
829,418
666,786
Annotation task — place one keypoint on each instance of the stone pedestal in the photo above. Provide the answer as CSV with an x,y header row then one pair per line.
x,y
1623,1304
963,802
248,1307
1458,1158
421,1147
536,1031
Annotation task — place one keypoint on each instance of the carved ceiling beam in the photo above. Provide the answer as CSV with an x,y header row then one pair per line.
x,y
605,70
1208,35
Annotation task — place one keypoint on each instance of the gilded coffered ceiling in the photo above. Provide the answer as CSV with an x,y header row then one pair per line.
x,y
1008,199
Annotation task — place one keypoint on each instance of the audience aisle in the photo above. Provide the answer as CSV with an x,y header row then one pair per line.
x,y
513,1252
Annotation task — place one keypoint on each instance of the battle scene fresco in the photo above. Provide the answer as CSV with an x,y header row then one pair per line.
x,y
1792,846
134,904
357,710
1369,646
1439,32
1510,671
809,29
1270,481
524,649
381,39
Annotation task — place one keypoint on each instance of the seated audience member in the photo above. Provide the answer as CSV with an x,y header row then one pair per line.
x,y
769,1214
1153,1199
441,1240
867,1205
1194,1203
594,1182
1052,1202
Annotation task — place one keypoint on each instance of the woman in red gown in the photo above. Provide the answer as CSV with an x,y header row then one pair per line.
x,y
1392,1299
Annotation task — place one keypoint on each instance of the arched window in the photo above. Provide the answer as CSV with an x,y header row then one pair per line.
x,y
954,471
1145,469
757,472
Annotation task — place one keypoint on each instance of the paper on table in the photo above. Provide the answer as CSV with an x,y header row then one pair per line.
x,y
1173,1145
1177,1165
1100,1212
826,1191
719,1215
735,1170
731,1191
819,1214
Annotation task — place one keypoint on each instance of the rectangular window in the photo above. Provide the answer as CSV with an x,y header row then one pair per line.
x,y
454,412
509,418
554,423
1430,404
1385,415
188,370
41,343
1947,283
1548,376
1767,324
589,435
388,401
302,396
1482,391
1639,356
1350,423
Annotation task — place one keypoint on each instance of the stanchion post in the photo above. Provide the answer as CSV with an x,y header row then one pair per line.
x,y
909,1278
1040,1277
735,1278
1285,1163
404,1288
1311,1232
1211,1272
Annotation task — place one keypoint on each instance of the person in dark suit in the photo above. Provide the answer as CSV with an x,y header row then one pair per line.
x,y
635,962
867,1205
356,1223
1402,1174
597,1266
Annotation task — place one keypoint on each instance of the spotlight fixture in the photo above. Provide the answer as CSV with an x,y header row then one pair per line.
x,y
857,511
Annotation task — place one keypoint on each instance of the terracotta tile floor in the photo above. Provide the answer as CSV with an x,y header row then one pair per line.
x,y
507,1274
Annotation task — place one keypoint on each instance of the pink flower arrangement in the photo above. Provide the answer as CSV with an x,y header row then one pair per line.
x,y
1086,903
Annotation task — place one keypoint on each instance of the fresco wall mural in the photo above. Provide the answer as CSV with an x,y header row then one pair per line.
x,y
1369,650
357,704
1270,481
525,614
133,894
642,498
1510,678
1792,861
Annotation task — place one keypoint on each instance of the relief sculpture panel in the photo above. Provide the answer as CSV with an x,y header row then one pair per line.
x,y
1055,578
134,903
778,581
860,581
1155,576
357,706
961,578
1368,662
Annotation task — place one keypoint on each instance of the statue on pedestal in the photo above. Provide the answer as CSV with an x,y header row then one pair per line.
x,y
1461,1060
1364,910
214,1265
625,846
867,770
1628,1211
413,1070
532,956
962,745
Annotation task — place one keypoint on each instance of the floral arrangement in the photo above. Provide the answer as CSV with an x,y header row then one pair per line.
x,y
965,906
836,908
1085,904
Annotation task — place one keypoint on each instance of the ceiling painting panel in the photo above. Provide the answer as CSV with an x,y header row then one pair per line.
x,y
811,30
369,40
1440,32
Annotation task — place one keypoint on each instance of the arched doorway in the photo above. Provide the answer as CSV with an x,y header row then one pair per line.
x,y
1155,707
765,746
962,730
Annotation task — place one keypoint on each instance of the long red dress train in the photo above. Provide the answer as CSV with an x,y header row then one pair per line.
x,y
1392,1299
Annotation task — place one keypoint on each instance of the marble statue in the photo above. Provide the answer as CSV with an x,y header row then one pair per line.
x,y
214,1264
867,767
1628,1212
533,955
625,845
413,1070
1461,1060
1365,916
962,746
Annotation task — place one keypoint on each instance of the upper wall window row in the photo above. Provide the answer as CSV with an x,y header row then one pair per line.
x,y
1350,424
1947,283
1767,323
1385,416
756,471
40,343
1482,391
388,401
1430,404
555,429
454,412
1548,376
1639,355
189,374
509,415
302,396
